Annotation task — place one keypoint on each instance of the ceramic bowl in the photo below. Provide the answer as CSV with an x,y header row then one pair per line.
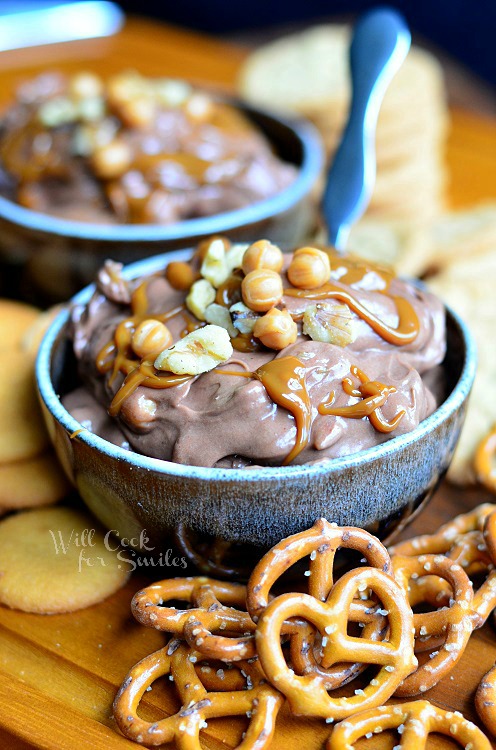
x,y
378,489
45,259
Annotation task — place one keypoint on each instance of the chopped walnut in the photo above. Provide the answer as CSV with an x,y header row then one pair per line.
x,y
111,283
332,324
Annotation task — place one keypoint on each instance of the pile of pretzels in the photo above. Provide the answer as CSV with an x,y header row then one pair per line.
x,y
237,650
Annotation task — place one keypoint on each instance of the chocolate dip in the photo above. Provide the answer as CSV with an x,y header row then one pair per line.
x,y
309,401
132,150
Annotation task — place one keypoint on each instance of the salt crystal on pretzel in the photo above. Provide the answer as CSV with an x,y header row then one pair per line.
x,y
414,722
308,694
258,700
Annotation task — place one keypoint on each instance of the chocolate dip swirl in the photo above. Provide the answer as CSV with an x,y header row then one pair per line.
x,y
309,401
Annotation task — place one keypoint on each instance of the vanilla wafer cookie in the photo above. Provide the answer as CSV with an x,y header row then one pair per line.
x,y
54,560
15,319
32,483
22,432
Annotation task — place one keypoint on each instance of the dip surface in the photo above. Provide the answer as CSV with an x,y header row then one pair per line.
x,y
132,150
361,367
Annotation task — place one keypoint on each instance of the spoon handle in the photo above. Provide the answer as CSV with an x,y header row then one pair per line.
x,y
381,41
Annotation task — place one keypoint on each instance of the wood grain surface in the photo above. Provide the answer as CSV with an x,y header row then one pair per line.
x,y
59,674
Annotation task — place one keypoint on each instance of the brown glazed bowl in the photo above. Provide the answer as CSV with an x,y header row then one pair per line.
x,y
45,259
378,489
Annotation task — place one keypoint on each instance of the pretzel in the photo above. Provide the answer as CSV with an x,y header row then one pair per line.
x,y
489,533
485,700
484,461
208,615
307,694
321,543
259,701
442,541
454,623
470,541
414,722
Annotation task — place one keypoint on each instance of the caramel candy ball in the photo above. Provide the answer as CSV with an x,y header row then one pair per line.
x,y
180,275
261,289
310,268
262,254
112,160
276,329
150,338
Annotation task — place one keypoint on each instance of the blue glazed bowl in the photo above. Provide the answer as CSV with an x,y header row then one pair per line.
x,y
378,489
46,259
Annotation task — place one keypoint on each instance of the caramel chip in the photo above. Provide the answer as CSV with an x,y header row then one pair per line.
x,y
53,560
15,319
22,432
28,484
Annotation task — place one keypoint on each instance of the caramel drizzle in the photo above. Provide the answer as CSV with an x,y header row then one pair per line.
x,y
284,381
372,394
143,374
352,270
408,322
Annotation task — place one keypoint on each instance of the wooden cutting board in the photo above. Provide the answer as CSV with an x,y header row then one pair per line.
x,y
59,674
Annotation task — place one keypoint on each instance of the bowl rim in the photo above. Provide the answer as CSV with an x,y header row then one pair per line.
x,y
53,403
311,166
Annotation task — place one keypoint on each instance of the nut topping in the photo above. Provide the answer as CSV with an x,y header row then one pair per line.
x,y
198,352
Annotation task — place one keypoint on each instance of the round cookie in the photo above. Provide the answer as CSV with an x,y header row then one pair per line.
x,y
22,432
52,560
33,335
15,319
35,482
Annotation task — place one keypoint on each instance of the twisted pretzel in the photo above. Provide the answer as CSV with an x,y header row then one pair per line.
x,y
484,461
307,694
207,615
454,623
485,700
414,722
259,701
474,549
321,543
442,540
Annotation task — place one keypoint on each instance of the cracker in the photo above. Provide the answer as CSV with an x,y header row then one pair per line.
x,y
15,319
36,575
468,287
396,244
32,483
22,432
32,336
308,73
464,234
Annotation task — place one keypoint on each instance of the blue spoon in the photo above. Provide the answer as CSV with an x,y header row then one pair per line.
x,y
381,41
